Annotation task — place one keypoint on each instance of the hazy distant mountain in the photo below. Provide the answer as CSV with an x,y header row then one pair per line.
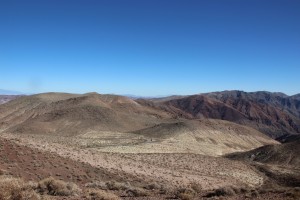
x,y
9,92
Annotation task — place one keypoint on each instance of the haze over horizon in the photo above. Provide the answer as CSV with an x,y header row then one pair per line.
x,y
150,48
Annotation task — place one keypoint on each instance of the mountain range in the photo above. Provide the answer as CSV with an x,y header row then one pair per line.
x,y
9,92
274,114
129,125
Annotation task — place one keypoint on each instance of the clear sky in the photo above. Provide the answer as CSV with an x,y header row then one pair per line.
x,y
149,47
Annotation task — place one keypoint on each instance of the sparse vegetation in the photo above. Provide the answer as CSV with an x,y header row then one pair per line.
x,y
224,191
152,186
196,187
113,185
94,194
97,184
185,193
55,187
137,192
16,189
293,193
2,172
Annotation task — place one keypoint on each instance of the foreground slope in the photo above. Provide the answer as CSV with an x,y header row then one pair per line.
x,y
173,170
280,163
129,176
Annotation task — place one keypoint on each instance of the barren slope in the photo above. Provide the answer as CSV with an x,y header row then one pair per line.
x,y
68,114
207,137
173,169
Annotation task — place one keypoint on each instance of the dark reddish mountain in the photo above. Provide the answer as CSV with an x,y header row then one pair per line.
x,y
290,104
274,114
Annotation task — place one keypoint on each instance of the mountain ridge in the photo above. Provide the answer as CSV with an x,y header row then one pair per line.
x,y
10,92
272,113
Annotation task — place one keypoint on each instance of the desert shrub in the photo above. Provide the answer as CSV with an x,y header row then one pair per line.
x,y
112,185
185,196
293,193
225,191
16,189
55,187
252,194
33,185
164,189
137,192
196,187
272,189
241,190
97,184
152,186
3,172
185,193
46,197
93,194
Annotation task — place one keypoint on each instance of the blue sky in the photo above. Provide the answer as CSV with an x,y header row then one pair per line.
x,y
149,47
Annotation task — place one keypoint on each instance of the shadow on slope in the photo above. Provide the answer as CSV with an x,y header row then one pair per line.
x,y
280,154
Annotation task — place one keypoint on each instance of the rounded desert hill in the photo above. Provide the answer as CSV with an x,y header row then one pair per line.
x,y
71,114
